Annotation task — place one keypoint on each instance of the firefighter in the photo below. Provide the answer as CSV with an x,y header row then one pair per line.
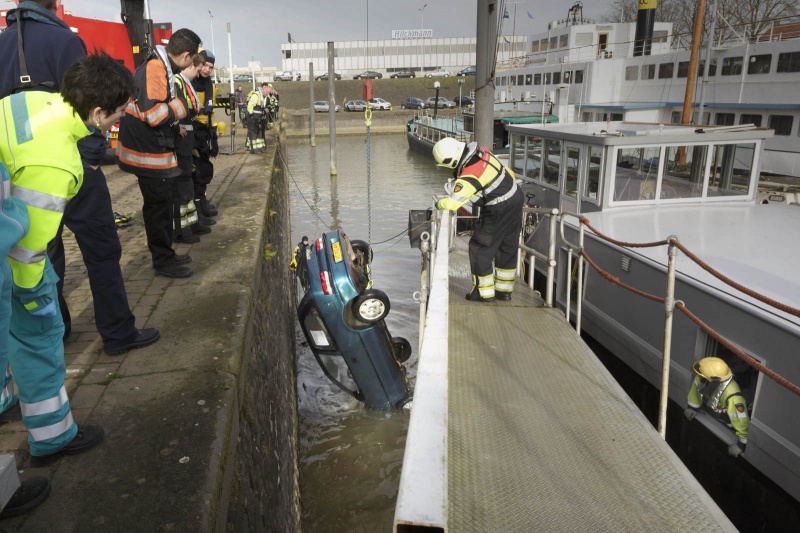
x,y
271,101
205,139
298,256
715,390
39,148
256,118
488,184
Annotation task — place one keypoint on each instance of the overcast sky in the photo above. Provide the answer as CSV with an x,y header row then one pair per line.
x,y
259,27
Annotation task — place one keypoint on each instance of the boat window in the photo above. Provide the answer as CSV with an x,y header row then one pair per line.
x,y
553,43
556,78
665,70
724,119
732,66
782,124
583,39
759,64
535,46
521,79
587,116
676,117
712,68
750,119
552,161
636,174
563,41
648,72
547,78
570,186
543,44
528,79
533,160
683,69
578,76
592,186
660,36
517,154
789,62
684,172
731,166
537,79
567,76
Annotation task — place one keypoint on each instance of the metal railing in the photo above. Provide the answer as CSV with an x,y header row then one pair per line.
x,y
531,254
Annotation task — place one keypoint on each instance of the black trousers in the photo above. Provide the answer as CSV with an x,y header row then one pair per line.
x,y
496,236
157,215
90,217
203,167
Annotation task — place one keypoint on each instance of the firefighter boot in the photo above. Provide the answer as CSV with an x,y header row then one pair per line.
x,y
207,208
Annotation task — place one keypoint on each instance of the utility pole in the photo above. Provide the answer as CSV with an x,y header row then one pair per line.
x,y
484,71
213,48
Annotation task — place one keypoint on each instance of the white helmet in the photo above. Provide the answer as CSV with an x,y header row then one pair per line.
x,y
447,152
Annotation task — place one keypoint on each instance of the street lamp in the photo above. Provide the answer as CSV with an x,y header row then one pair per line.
x,y
436,86
422,29
213,48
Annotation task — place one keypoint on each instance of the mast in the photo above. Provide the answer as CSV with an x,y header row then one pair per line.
x,y
484,71
697,36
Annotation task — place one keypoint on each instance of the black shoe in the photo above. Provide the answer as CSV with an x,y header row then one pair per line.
x,y
204,220
475,296
87,438
174,271
503,296
182,259
199,229
30,494
207,208
189,238
144,337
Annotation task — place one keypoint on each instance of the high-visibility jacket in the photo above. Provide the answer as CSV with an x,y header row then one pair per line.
x,y
723,400
482,179
254,99
146,138
39,147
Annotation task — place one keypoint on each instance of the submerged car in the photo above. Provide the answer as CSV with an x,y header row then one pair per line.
x,y
343,316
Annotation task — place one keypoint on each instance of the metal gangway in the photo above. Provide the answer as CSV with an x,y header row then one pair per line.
x,y
516,426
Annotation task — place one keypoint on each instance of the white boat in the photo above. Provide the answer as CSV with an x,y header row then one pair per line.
x,y
642,183
590,73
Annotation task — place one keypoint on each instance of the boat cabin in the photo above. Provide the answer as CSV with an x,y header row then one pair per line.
x,y
593,166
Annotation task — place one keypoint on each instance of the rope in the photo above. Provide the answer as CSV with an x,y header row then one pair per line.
x,y
585,222
741,354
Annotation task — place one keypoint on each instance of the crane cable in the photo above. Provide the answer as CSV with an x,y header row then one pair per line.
x,y
368,124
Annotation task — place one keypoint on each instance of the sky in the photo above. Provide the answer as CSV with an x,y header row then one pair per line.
x,y
259,27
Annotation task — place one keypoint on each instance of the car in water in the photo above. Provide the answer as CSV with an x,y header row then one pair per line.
x,y
469,71
368,75
464,101
324,76
322,106
403,74
413,103
380,104
443,102
342,315
355,105
439,72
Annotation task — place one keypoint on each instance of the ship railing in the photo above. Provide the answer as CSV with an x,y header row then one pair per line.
x,y
529,255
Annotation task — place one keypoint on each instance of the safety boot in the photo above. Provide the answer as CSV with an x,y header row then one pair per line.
x,y
207,208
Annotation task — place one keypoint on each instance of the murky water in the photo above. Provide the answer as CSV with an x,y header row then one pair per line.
x,y
350,460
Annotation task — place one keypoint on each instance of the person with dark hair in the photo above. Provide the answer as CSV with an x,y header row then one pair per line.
x,y
205,138
39,148
147,145
51,47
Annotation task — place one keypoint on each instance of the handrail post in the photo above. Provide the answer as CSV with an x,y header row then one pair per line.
x,y
669,308
579,298
551,258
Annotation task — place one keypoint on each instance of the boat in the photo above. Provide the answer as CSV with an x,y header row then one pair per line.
x,y
591,72
426,129
618,184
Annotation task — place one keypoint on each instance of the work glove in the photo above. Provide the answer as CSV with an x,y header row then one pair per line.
x,y
736,450
213,143
39,300
690,413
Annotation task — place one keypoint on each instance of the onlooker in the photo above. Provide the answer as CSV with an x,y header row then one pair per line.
x,y
241,102
205,139
39,147
51,47
185,209
257,118
147,145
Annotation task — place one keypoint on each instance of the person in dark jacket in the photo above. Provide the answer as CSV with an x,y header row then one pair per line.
x,y
50,49
147,145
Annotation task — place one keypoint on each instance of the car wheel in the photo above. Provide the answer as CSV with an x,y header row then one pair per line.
x,y
371,306
446,75
428,76
363,252
402,349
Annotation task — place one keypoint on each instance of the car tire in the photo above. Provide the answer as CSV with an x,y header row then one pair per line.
x,y
446,75
402,349
371,306
428,76
363,248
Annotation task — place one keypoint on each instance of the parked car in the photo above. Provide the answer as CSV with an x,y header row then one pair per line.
x,y
243,78
324,76
380,104
322,106
286,75
469,71
368,75
443,102
439,72
464,101
355,105
413,103
404,74
343,316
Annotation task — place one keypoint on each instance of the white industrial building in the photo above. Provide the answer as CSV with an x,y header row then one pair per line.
x,y
406,52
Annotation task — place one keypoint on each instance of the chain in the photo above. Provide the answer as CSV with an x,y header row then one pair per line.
x,y
368,122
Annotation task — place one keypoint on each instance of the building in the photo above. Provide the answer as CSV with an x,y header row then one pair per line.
x,y
413,50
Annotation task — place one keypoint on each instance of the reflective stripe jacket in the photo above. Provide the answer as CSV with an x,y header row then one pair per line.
x,y
254,99
39,147
727,401
482,179
146,137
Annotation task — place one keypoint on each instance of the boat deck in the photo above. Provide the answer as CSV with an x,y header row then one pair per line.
x,y
540,437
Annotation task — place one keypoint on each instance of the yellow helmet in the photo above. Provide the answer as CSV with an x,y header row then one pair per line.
x,y
712,369
447,152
